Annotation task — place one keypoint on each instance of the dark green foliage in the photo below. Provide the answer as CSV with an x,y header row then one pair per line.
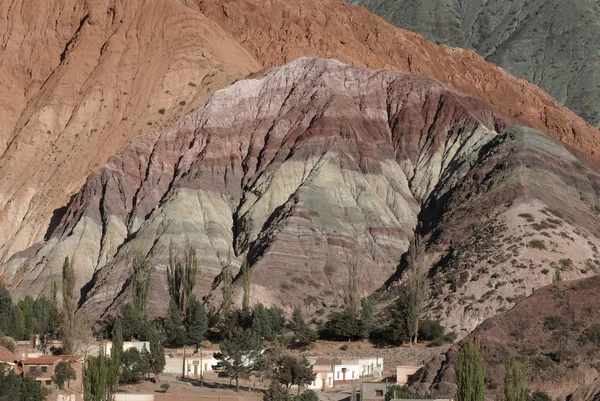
x,y
396,392
592,335
11,320
469,372
291,371
308,395
164,387
277,392
133,366
69,327
63,373
196,321
30,390
267,323
157,360
303,334
116,354
239,354
10,384
367,319
514,381
431,330
245,269
97,383
342,326
181,277
538,396
134,323
401,326
174,328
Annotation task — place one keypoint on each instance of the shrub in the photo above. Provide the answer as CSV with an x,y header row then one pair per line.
x,y
538,396
396,392
164,387
527,216
161,111
345,347
309,395
431,330
537,244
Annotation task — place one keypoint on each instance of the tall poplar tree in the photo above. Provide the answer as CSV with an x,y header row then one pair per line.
x,y
246,284
469,372
514,381
69,306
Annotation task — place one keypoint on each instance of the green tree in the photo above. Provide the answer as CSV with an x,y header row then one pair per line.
x,y
239,354
469,372
157,360
291,371
63,373
514,381
68,329
181,277
277,392
133,366
116,353
303,334
11,322
47,322
227,287
10,384
174,327
396,392
417,289
343,326
367,319
97,385
142,276
352,293
196,321
30,390
134,323
246,284
267,323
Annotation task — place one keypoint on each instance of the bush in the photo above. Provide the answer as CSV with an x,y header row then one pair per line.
x,y
309,395
537,244
164,387
344,347
431,330
396,392
276,392
538,396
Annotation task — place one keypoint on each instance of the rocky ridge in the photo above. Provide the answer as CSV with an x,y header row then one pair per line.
x,y
321,163
85,79
524,37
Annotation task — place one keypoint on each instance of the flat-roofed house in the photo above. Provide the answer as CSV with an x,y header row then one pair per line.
x,y
42,369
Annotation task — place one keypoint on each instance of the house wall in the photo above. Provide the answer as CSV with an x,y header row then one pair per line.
x,y
322,380
374,391
403,373
194,366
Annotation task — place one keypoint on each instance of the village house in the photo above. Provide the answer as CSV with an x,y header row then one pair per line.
x,y
332,371
42,369
404,373
8,358
196,364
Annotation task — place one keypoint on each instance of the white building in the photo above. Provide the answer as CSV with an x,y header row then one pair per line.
x,y
403,373
342,370
195,364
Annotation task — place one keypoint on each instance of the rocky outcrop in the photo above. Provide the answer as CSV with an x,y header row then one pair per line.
x,y
524,37
307,168
553,334
81,80
317,166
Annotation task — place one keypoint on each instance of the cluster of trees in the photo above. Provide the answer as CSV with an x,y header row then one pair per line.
x,y
103,373
16,388
29,317
469,370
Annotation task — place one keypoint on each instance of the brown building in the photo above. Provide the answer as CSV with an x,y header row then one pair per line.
x,y
42,369
7,357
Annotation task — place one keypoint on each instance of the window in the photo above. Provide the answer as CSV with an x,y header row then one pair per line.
x,y
32,369
378,393
338,374
48,382
45,369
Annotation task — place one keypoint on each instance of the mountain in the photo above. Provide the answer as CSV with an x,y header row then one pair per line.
x,y
324,165
81,80
524,37
554,334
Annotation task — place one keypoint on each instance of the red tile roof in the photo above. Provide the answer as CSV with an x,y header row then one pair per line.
x,y
7,356
51,360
